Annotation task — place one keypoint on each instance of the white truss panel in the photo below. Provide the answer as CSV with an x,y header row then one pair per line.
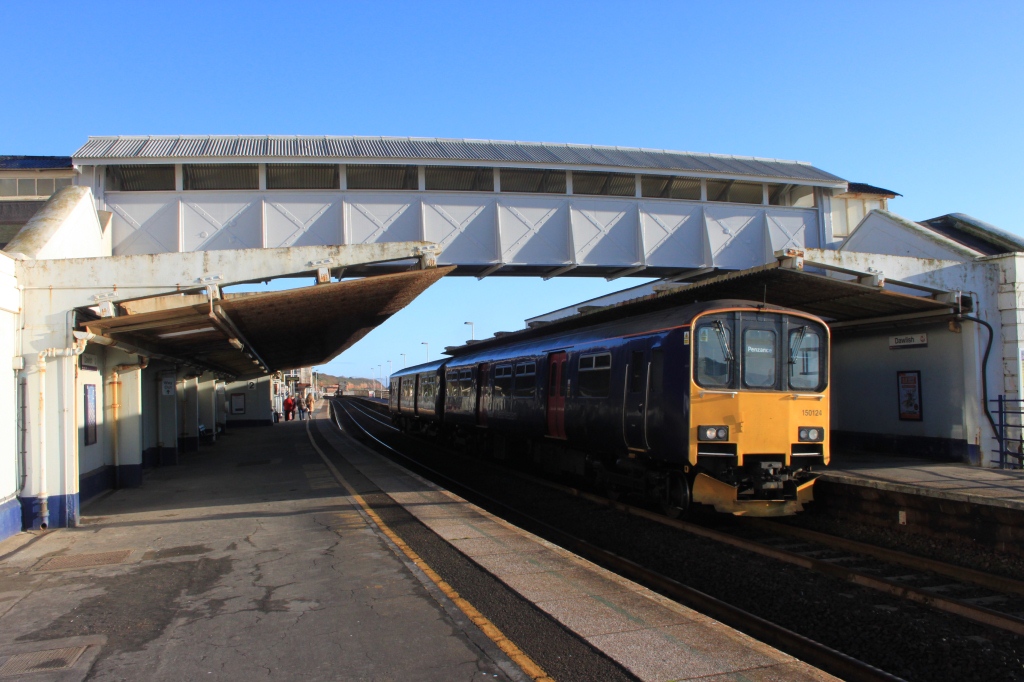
x,y
383,218
224,221
534,230
736,236
673,234
463,226
473,229
793,229
605,232
143,223
303,220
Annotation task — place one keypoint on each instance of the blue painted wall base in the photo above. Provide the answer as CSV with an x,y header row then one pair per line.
x,y
92,483
63,512
107,477
10,518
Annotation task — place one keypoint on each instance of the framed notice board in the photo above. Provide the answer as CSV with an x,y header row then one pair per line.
x,y
909,386
90,414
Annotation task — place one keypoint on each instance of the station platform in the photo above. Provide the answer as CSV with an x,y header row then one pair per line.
x,y
952,501
291,551
945,480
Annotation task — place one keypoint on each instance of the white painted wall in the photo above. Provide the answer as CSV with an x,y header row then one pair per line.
x,y
10,303
864,390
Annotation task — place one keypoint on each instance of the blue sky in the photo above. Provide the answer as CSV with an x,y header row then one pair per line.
x,y
923,98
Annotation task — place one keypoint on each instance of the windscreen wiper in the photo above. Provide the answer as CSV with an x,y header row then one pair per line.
x,y
794,348
724,338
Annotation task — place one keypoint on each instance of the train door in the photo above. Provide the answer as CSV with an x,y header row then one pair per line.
x,y
636,393
483,376
556,394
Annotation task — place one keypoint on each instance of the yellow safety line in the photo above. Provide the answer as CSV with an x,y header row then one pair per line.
x,y
525,663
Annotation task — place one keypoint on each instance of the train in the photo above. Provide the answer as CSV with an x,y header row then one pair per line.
x,y
722,403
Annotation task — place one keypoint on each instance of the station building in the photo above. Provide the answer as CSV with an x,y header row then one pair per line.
x,y
128,346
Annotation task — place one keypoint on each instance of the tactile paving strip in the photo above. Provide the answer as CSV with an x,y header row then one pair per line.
x,y
40,661
85,560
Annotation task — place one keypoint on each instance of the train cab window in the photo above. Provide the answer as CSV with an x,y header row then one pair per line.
x,y
466,383
526,380
595,375
502,381
805,360
759,358
714,355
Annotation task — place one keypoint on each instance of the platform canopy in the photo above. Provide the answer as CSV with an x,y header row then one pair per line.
x,y
840,296
252,334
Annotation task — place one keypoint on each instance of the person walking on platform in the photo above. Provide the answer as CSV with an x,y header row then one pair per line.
x,y
289,408
301,402
309,404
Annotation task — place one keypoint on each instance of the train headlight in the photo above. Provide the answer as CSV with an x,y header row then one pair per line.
x,y
810,434
713,432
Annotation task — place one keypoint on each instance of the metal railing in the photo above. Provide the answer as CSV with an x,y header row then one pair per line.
x,y
1009,434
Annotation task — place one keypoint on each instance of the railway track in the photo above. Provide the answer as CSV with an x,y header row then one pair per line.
x,y
988,599
804,648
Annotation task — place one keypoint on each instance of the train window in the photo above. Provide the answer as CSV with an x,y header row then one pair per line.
x,y
428,390
452,385
805,359
759,358
466,382
502,381
595,375
714,356
526,380
637,370
657,370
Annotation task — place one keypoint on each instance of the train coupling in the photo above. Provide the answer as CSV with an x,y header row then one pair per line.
x,y
725,498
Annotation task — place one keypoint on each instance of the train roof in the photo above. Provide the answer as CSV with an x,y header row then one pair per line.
x,y
419,369
554,336
628,311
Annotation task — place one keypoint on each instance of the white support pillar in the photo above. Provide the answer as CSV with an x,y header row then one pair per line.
x,y
167,427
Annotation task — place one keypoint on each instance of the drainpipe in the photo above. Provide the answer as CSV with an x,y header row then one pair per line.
x,y
115,406
74,351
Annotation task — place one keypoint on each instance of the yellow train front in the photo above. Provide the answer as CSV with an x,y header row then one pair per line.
x,y
758,409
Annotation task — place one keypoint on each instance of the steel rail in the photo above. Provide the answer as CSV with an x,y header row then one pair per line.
x,y
792,643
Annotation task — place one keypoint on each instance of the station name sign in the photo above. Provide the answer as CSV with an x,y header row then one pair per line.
x,y
908,341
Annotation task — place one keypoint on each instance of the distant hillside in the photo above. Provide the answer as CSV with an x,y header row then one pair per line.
x,y
348,382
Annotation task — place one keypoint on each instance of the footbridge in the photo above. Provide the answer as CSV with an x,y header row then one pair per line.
x,y
494,208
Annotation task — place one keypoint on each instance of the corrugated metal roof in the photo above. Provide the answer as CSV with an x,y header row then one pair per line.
x,y
34,162
403,148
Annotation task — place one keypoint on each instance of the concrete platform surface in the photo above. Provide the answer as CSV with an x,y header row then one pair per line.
x,y
944,480
247,562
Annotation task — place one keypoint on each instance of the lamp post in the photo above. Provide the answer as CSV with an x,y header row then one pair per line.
x,y
427,344
390,372
380,373
373,379
403,360
472,331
